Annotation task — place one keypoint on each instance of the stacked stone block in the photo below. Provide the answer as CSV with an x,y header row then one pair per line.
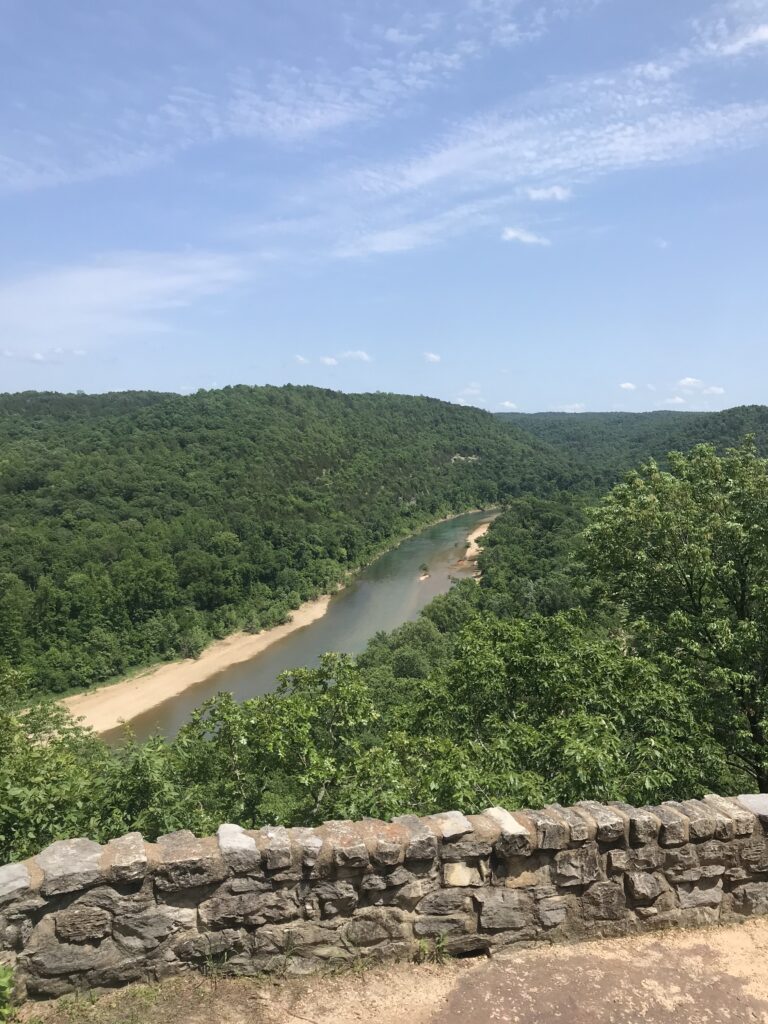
x,y
80,916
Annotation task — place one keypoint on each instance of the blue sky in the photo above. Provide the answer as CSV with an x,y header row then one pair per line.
x,y
540,204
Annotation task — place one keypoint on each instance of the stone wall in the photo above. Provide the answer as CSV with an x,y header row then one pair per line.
x,y
80,915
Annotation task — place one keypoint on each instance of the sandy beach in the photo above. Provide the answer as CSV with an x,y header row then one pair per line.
x,y
474,546
105,708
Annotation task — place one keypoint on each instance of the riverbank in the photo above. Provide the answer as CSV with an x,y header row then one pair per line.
x,y
105,708
108,706
474,547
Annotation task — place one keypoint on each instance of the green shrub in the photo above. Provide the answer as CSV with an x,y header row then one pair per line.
x,y
6,994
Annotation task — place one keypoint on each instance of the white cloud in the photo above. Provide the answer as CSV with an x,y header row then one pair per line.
x,y
507,405
758,36
581,128
521,235
420,232
302,360
121,125
329,360
431,357
358,355
692,385
472,390
572,407
628,386
675,400
555,193
119,295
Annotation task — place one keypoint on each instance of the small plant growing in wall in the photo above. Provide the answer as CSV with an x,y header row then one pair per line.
x,y
6,994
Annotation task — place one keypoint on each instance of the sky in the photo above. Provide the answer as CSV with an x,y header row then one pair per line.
x,y
513,204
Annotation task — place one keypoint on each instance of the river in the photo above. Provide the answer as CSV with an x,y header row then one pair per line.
x,y
381,597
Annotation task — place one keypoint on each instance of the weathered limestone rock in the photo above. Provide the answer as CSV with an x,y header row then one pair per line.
x,y
409,896
706,893
757,804
644,826
125,859
611,825
604,901
477,843
249,909
578,867
274,844
461,875
238,850
526,872
384,842
14,882
345,844
187,862
83,924
144,932
69,865
643,886
336,898
702,818
552,831
742,819
445,901
369,927
450,824
752,898
516,838
674,825
422,841
506,910
581,826
551,911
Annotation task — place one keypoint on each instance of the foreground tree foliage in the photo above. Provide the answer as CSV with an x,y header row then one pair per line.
x,y
686,552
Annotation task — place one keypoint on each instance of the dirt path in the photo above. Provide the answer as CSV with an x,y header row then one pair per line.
x,y
715,976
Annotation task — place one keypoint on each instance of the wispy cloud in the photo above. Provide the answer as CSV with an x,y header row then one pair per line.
x,y
510,406
628,386
572,407
550,193
116,296
521,235
756,37
357,355
329,360
301,360
431,357
152,119
674,400
420,232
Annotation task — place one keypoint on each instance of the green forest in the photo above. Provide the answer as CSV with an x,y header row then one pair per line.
x,y
616,646
138,527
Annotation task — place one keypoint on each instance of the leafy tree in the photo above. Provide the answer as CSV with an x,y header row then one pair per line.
x,y
686,551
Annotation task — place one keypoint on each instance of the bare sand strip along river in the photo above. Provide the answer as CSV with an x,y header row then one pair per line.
x,y
387,593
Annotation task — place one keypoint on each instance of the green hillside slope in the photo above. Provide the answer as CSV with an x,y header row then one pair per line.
x,y
602,446
136,527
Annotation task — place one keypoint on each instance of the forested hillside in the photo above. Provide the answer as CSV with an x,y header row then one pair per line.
x,y
611,652
600,447
137,527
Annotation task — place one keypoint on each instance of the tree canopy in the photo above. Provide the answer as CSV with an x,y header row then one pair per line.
x,y
615,648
